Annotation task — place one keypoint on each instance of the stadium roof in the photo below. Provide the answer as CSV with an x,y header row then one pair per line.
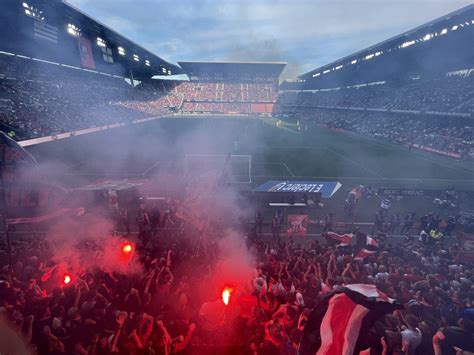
x,y
426,47
99,29
233,70
18,25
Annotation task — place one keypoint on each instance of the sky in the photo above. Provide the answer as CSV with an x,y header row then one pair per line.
x,y
305,33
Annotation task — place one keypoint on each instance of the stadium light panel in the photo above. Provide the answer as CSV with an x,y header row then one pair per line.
x,y
121,50
370,56
467,23
100,42
407,44
147,62
73,30
427,37
169,72
316,75
354,61
378,53
33,12
444,31
326,71
136,58
461,25
338,67
454,28
163,70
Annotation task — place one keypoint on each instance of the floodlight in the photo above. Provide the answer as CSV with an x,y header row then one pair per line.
x,y
100,42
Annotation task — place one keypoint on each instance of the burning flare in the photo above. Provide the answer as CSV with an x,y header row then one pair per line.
x,y
127,248
226,295
67,279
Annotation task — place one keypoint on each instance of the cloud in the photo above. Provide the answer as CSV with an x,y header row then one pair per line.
x,y
306,33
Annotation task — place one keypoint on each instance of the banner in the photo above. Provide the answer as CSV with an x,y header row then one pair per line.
x,y
85,50
438,151
326,188
466,248
47,217
297,225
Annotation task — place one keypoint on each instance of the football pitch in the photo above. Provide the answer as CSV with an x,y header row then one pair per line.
x,y
276,153
324,154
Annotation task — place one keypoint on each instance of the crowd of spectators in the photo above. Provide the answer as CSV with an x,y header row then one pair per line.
x,y
205,97
434,115
40,99
450,94
170,307
226,98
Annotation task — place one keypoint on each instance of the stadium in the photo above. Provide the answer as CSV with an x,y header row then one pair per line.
x,y
153,207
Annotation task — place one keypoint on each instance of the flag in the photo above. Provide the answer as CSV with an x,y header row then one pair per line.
x,y
365,246
186,214
43,218
85,51
341,321
44,31
297,225
466,248
343,239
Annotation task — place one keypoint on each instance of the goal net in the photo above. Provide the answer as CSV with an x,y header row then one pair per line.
x,y
233,168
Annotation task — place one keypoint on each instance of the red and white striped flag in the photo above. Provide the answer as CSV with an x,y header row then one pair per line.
x,y
343,239
340,323
371,247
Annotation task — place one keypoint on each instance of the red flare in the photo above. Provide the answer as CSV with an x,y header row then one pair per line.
x,y
127,248
226,293
67,279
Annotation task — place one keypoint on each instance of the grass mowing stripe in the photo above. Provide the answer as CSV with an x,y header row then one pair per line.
x,y
394,147
354,162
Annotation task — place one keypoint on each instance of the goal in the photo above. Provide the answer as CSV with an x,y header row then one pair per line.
x,y
234,168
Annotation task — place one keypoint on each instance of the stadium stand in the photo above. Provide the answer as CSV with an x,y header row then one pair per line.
x,y
230,88
41,99
446,94
404,89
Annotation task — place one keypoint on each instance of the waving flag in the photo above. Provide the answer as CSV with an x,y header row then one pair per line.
x,y
365,246
343,239
340,323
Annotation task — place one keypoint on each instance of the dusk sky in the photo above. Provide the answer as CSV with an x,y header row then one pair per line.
x,y
306,34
